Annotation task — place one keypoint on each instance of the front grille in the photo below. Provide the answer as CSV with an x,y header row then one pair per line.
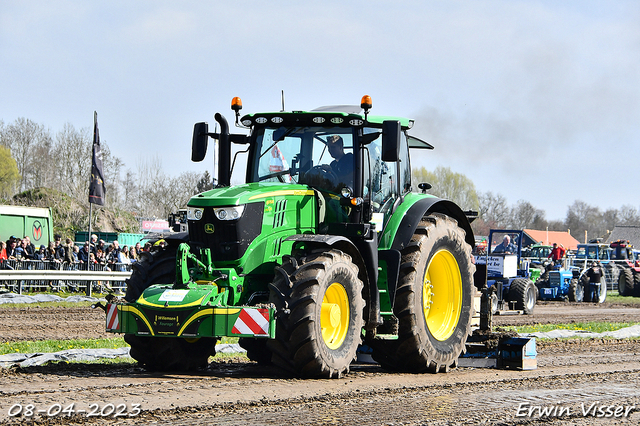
x,y
554,279
230,238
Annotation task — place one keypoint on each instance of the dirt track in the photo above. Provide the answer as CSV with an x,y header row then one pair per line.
x,y
571,377
43,323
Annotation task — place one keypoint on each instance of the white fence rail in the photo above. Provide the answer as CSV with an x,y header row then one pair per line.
x,y
30,276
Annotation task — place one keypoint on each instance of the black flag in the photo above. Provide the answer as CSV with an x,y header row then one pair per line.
x,y
96,184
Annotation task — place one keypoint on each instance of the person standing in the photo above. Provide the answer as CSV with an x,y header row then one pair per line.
x,y
594,273
3,250
83,255
557,253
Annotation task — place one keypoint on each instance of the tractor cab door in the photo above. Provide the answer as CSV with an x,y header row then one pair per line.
x,y
384,181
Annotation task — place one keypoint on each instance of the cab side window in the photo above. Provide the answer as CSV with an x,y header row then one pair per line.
x,y
382,179
405,165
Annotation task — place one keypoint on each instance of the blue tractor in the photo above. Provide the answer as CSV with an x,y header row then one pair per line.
x,y
508,278
559,282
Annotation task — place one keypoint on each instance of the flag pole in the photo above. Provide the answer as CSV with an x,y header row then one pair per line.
x,y
96,184
90,283
92,189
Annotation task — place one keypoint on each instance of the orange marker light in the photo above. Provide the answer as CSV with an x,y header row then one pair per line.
x,y
366,103
236,104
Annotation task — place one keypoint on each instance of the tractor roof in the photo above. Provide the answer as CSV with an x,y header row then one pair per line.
x,y
291,117
340,115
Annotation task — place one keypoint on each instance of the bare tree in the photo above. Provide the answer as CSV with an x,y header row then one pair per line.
x,y
73,161
582,218
525,216
494,210
21,137
629,215
131,192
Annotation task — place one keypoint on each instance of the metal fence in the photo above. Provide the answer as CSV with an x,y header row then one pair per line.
x,y
21,276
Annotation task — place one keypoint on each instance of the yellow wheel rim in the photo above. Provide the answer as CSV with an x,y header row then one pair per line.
x,y
442,295
334,317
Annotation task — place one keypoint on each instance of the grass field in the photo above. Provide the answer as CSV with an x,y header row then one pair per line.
x,y
594,327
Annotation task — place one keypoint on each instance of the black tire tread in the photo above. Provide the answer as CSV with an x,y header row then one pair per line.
x,y
626,282
297,347
574,291
413,351
518,293
163,353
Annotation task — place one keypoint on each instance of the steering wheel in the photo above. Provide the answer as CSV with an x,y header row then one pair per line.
x,y
321,176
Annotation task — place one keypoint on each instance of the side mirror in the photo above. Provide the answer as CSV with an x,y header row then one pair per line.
x,y
200,141
390,140
424,187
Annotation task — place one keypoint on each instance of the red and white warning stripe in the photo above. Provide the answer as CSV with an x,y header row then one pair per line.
x,y
252,321
112,317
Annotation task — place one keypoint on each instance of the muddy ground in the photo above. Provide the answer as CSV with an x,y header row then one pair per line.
x,y
583,382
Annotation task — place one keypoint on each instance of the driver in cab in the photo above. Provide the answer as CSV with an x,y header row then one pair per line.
x,y
506,246
342,164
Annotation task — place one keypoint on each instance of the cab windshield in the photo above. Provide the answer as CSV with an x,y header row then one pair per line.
x,y
317,156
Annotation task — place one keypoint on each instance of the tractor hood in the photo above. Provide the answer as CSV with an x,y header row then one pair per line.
x,y
247,193
230,220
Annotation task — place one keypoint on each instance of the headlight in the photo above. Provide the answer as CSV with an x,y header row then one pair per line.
x,y
194,214
229,213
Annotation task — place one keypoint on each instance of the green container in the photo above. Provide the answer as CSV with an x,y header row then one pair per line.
x,y
33,222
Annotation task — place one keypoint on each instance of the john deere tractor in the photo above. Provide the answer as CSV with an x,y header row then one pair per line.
x,y
324,248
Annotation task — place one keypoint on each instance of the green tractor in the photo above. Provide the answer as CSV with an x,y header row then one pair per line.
x,y
323,249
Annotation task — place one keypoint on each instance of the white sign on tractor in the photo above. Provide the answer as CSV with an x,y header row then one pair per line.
x,y
505,265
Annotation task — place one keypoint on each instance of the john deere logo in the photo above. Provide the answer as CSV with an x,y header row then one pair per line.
x,y
37,230
208,228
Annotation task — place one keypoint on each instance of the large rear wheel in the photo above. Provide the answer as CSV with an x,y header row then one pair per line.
x,y
319,304
523,292
625,282
434,300
163,353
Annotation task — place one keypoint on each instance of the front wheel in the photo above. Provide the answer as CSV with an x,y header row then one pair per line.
x,y
434,300
576,291
171,353
319,304
163,353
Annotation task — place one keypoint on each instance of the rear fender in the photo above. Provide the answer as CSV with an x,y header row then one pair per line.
x,y
402,225
401,231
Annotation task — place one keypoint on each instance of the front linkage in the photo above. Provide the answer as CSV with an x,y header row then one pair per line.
x,y
196,305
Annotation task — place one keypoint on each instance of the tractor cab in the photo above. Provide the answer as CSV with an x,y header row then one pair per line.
x,y
357,165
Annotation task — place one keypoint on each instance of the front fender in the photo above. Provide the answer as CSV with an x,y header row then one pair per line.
x,y
364,256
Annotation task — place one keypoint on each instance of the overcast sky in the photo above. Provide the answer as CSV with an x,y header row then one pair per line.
x,y
534,100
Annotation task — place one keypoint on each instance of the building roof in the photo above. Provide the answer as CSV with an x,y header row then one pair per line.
x,y
622,232
550,237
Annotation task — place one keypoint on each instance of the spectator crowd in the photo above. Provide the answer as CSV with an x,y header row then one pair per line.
x,y
93,255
